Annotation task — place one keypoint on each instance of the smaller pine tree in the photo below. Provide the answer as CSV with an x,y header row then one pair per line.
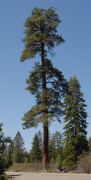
x,y
36,151
56,149
18,148
75,124
9,152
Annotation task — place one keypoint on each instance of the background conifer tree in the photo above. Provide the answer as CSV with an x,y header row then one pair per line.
x,y
2,148
18,148
8,152
3,159
75,124
36,151
56,149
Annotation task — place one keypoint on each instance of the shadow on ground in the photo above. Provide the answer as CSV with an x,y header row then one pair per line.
x,y
12,176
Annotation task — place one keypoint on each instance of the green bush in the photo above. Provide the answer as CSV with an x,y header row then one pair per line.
x,y
2,165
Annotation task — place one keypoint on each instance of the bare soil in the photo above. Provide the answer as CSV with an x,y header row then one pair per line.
x,y
47,176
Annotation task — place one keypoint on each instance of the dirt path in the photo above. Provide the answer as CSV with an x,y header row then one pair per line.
x,y
47,176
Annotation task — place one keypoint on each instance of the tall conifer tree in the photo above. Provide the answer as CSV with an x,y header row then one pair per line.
x,y
45,82
75,124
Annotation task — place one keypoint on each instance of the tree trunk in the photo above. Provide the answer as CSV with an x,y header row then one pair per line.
x,y
45,147
45,122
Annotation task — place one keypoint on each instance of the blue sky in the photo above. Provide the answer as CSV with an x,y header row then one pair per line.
x,y
73,57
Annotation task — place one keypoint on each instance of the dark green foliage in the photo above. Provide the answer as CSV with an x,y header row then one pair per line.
x,y
2,148
56,149
36,151
9,152
4,162
49,106
56,87
26,156
75,125
18,149
2,140
41,29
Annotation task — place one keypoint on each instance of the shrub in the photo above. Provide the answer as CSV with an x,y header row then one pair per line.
x,y
84,164
3,177
2,165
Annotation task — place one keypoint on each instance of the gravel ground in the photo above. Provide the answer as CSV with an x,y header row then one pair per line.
x,y
47,176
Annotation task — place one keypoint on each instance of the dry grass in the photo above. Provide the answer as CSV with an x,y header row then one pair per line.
x,y
84,164
29,167
25,167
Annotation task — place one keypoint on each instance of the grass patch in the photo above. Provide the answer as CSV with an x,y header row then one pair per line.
x,y
31,167
26,167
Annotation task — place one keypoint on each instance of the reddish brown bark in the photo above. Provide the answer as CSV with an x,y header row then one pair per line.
x,y
45,123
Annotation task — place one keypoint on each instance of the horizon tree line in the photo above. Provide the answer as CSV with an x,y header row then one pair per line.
x,y
15,152
64,149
